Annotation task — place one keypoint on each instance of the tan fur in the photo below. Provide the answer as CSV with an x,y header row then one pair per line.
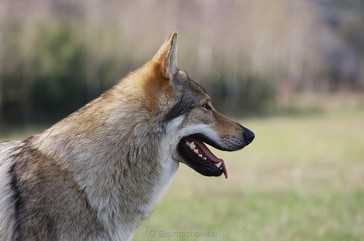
x,y
155,86
225,126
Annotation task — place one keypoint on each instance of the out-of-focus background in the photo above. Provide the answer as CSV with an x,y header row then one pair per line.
x,y
291,70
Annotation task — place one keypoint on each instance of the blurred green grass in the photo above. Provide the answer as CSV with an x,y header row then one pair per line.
x,y
301,179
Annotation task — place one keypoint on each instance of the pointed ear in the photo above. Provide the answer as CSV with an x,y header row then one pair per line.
x,y
167,56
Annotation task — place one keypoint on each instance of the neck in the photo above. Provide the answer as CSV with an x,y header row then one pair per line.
x,y
119,167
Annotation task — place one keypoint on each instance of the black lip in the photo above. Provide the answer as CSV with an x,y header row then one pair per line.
x,y
203,167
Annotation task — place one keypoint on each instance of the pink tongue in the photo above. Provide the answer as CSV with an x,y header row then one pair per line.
x,y
207,153
211,157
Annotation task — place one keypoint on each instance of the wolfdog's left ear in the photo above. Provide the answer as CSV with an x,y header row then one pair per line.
x,y
167,56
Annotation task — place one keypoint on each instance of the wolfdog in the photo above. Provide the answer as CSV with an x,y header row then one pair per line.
x,y
95,174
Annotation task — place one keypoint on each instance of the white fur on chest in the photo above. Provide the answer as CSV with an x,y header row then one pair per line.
x,y
168,169
168,165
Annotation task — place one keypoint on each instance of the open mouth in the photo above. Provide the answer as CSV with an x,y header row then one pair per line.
x,y
197,156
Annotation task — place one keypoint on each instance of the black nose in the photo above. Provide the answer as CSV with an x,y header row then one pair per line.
x,y
248,136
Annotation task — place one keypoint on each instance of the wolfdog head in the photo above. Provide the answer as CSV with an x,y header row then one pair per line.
x,y
167,114
187,115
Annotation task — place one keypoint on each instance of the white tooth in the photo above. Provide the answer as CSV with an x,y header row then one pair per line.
x,y
204,158
193,146
190,145
219,164
200,155
196,151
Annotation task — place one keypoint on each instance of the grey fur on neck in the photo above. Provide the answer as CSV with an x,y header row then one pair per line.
x,y
116,166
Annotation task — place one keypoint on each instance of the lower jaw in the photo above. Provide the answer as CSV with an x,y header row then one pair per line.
x,y
206,171
204,167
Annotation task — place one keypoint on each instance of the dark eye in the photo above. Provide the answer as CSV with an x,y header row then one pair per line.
x,y
207,106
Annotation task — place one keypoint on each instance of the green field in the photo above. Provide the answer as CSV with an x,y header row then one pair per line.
x,y
301,179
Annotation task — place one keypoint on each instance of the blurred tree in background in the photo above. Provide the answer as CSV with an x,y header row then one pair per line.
x,y
56,55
